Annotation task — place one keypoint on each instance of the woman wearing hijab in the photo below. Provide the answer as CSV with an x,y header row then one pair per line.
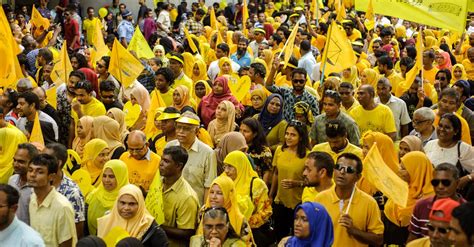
x,y
136,221
459,73
160,53
252,195
225,66
257,97
230,142
409,144
182,100
84,134
267,56
222,193
369,76
201,89
417,170
188,63
223,123
113,177
271,118
108,130
220,92
443,60
96,153
313,227
139,95
350,75
118,115
199,70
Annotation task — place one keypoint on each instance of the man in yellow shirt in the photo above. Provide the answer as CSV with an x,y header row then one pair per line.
x,y
142,163
177,65
317,175
85,104
352,34
88,26
386,68
348,102
429,71
355,215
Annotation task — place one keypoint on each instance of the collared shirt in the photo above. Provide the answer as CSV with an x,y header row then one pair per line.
x,y
180,207
25,194
318,130
349,148
141,172
214,69
194,27
201,168
94,108
307,62
347,110
53,219
291,99
399,111
244,61
184,80
21,124
20,234
364,212
125,30
433,136
71,191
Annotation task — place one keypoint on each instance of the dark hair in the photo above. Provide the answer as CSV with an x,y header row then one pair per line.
x,y
465,88
333,95
13,196
430,53
303,143
243,39
259,141
167,73
224,47
347,85
464,213
187,46
89,8
157,61
78,74
277,38
300,71
455,122
129,242
408,62
46,54
259,69
449,168
81,60
200,12
107,86
12,97
446,72
385,60
305,45
59,151
354,157
322,160
411,51
46,160
30,98
85,84
450,92
106,59
335,128
30,148
91,240
285,31
385,32
178,154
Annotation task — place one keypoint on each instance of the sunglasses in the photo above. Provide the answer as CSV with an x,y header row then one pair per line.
x,y
299,81
440,78
444,182
346,169
441,230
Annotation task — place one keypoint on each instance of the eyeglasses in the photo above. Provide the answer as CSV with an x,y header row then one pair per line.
x,y
444,182
440,78
346,169
301,81
136,150
441,230
419,122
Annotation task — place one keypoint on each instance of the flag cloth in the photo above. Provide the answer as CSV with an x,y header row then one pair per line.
x,y
290,44
413,72
36,133
338,54
213,19
245,17
369,16
450,15
38,20
154,200
191,43
10,70
340,10
51,96
100,48
62,68
316,14
123,65
156,103
140,46
383,178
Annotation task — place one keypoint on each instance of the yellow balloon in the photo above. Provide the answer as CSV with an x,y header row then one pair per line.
x,y
103,12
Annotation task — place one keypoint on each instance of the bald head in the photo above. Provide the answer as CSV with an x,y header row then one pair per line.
x,y
137,144
137,135
368,88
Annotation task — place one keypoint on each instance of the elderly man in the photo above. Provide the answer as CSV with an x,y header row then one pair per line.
x,y
201,167
142,163
423,119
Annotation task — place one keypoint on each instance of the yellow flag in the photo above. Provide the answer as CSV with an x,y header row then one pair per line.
x,y
413,72
10,70
340,10
123,65
338,54
154,199
36,133
450,15
213,19
191,43
139,45
290,44
51,96
245,17
315,9
62,68
369,16
219,40
383,178
156,102
100,48
38,20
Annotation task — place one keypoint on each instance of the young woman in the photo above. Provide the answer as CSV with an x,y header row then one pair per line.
x,y
96,153
84,134
199,70
287,184
223,123
182,100
459,73
114,176
225,66
271,118
107,129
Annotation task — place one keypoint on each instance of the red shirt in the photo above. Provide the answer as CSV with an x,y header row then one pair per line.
x,y
71,29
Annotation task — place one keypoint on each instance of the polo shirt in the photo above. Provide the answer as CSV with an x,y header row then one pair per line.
x,y
364,211
20,234
350,148
88,25
180,208
348,110
399,111
53,219
201,168
318,130
141,172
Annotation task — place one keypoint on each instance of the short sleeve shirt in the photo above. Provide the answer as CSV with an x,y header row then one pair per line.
x,y
290,99
71,191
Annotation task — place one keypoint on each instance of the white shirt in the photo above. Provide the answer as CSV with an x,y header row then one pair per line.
x,y
399,111
214,69
307,62
164,19
438,155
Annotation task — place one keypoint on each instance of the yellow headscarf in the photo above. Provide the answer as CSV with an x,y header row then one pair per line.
x,y
385,146
78,143
260,92
119,116
183,91
463,76
353,78
372,77
430,42
9,140
202,71
223,60
206,85
188,63
446,39
268,57
136,226
400,32
91,151
420,170
245,172
108,130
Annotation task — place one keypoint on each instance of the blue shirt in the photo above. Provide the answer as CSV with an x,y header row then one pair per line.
x,y
21,235
245,60
125,30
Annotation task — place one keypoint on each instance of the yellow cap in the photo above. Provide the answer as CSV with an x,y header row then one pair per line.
x,y
261,30
166,116
176,58
188,120
299,8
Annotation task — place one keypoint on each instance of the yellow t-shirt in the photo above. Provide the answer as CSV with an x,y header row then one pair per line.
x,y
354,105
364,212
142,172
379,119
167,97
185,81
350,148
430,75
395,78
89,26
309,194
94,108
469,67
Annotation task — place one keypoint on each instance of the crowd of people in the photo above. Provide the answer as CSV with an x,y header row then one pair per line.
x,y
229,138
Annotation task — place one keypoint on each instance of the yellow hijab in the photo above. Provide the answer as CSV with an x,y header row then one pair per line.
x,y
136,226
108,130
268,57
79,143
372,77
119,116
463,76
245,172
9,140
202,70
430,42
91,151
353,78
385,146
420,170
183,91
223,60
188,63
260,92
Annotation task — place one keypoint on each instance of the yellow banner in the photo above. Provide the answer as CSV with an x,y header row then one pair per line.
x,y
36,133
450,14
62,68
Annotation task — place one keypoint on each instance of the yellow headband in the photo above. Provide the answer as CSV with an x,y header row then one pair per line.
x,y
260,30
176,58
166,116
188,120
293,15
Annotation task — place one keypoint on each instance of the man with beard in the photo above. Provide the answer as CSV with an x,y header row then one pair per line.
x,y
241,56
415,98
65,93
317,175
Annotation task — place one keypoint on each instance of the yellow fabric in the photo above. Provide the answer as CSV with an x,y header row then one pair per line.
x,y
364,212
353,77
339,54
10,70
463,76
91,151
188,63
88,25
154,199
219,127
185,98
142,172
420,170
223,60
123,65
421,242
290,45
379,119
309,194
100,48
140,46
191,43
156,102
350,148
94,108
202,71
136,226
9,140
119,116
385,145
395,79
185,81
205,137
430,75
36,133
469,68
206,85
62,69
465,132
100,200
372,77
38,20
